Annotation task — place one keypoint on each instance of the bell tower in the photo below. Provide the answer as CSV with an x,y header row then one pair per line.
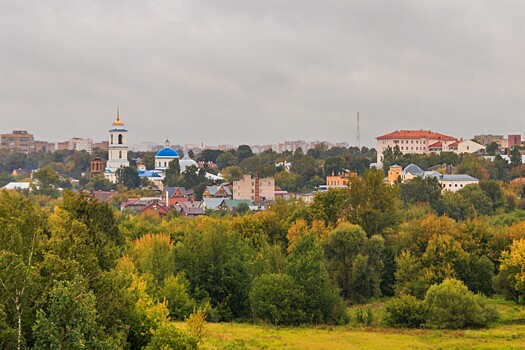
x,y
118,145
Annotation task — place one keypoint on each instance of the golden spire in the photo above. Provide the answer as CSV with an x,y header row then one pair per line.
x,y
118,122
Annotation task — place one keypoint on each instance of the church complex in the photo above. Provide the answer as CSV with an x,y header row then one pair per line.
x,y
118,157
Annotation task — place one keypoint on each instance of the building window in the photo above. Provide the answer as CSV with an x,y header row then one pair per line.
x,y
111,138
120,154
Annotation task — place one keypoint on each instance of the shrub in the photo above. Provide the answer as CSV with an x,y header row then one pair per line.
x,y
451,305
168,336
406,311
277,299
364,316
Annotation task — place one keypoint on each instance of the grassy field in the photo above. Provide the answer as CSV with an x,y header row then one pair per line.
x,y
508,333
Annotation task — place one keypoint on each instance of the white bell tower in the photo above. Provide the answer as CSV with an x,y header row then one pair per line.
x,y
118,145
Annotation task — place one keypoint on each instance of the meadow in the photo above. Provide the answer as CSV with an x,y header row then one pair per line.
x,y
507,333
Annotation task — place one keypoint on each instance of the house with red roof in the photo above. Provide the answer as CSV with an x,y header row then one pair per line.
x,y
413,141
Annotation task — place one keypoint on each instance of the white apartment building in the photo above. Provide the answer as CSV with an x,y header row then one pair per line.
x,y
78,144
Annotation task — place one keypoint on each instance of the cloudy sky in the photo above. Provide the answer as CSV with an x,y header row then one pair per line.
x,y
260,72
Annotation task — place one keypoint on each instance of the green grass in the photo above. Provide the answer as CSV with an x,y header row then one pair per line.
x,y
507,333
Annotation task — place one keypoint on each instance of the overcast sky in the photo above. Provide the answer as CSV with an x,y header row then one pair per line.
x,y
260,72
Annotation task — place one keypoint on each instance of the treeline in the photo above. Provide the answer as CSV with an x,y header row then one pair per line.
x,y
83,275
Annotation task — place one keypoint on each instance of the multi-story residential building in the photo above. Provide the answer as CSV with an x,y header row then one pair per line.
x,y
514,140
292,146
413,141
18,141
44,146
102,145
79,144
63,146
254,189
489,138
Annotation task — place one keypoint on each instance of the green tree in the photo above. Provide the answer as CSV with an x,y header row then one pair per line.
x,y
48,177
476,198
176,290
232,173
451,305
128,176
492,148
153,254
306,265
341,248
419,190
5,178
172,177
216,262
392,156
226,159
515,157
354,261
277,299
330,206
513,268
493,191
410,276
21,231
406,311
69,320
373,204
243,152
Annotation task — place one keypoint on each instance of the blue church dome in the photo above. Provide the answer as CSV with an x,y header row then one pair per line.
x,y
167,153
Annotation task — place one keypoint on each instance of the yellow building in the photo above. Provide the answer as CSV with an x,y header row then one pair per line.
x,y
394,173
339,181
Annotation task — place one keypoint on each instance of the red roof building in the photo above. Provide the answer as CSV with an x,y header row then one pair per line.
x,y
413,141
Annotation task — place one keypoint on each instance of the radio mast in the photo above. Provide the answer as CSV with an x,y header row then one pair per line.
x,y
358,135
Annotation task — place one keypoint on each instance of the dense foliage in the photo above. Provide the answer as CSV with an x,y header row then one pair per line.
x,y
75,273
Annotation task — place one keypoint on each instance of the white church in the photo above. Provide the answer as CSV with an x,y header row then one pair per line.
x,y
118,157
117,149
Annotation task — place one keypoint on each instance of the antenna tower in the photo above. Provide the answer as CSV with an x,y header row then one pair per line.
x,y
358,135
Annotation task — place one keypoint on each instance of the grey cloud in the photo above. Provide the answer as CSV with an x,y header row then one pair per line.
x,y
261,71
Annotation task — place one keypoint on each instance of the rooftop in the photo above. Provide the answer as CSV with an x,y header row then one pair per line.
x,y
415,134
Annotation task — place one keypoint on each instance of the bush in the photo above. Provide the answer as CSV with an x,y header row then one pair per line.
x,y
277,299
451,305
364,316
406,311
168,336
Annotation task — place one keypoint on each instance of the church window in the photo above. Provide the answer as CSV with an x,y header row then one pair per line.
x,y
120,139
120,154
111,138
